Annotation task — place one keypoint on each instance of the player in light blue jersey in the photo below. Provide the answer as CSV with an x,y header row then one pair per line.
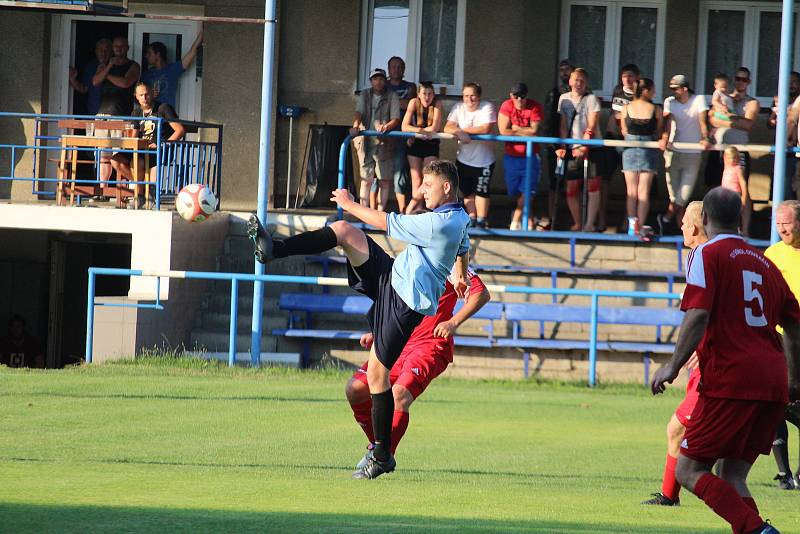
x,y
403,290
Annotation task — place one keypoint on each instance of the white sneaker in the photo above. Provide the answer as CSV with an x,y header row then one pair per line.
x,y
515,225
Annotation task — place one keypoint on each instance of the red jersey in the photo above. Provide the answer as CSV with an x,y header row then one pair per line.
x,y
532,111
423,338
741,355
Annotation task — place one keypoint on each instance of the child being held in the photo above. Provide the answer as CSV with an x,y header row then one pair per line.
x,y
721,101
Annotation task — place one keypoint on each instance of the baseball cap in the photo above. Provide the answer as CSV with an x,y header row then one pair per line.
x,y
519,89
377,72
679,80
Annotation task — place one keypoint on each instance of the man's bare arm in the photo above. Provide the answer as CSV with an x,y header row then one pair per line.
x,y
474,303
368,215
693,327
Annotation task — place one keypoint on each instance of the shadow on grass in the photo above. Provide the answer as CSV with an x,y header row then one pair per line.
x,y
23,518
346,470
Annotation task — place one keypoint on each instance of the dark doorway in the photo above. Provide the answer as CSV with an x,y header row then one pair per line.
x,y
71,257
87,33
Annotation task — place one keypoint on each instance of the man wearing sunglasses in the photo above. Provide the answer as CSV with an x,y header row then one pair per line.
x,y
736,130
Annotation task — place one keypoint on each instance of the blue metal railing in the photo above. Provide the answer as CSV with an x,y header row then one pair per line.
x,y
236,278
177,162
529,154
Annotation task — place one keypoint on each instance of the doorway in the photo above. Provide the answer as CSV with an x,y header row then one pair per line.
x,y
87,34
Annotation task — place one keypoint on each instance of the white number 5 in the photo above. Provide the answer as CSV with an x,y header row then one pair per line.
x,y
751,281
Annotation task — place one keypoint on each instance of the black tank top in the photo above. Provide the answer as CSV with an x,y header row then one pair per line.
x,y
116,100
641,126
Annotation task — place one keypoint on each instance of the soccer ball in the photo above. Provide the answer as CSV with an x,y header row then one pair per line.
x,y
196,203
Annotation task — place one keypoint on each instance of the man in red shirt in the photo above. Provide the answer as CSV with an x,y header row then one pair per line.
x,y
733,300
520,115
426,355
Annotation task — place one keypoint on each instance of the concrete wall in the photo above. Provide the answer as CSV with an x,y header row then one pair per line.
x,y
125,332
25,76
317,63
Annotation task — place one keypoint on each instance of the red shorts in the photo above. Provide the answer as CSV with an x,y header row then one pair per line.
x,y
684,411
731,428
414,370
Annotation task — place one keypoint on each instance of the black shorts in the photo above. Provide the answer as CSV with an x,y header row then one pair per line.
x,y
421,148
474,180
390,319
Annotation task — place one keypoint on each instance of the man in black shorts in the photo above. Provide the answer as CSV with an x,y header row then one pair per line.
x,y
403,290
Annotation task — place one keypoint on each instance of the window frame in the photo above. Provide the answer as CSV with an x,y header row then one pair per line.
x,y
412,57
752,33
611,60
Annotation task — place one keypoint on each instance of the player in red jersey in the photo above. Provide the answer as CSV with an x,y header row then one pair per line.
x,y
733,300
693,236
426,355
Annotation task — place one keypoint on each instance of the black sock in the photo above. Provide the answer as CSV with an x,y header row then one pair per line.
x,y
780,448
382,413
312,242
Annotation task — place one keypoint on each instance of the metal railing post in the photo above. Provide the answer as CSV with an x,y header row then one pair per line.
x,y
593,343
234,321
779,171
342,162
90,316
265,140
526,207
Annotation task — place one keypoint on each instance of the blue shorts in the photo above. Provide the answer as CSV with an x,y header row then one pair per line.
x,y
514,171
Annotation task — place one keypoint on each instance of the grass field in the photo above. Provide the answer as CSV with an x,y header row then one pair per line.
x,y
184,447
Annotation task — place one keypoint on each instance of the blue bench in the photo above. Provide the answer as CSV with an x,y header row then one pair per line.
x,y
657,317
670,277
311,303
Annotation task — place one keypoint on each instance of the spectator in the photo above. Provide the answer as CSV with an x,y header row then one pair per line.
x,y
580,113
405,91
734,132
162,76
377,109
475,160
684,122
18,348
733,180
423,116
785,254
721,100
520,115
609,158
84,85
171,130
789,188
116,80
640,120
553,129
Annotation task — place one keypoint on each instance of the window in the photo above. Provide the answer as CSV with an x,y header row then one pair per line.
x,y
734,34
602,36
427,34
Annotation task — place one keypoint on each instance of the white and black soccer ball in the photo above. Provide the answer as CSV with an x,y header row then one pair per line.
x,y
196,203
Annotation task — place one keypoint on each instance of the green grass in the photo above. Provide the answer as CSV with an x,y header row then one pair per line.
x,y
181,446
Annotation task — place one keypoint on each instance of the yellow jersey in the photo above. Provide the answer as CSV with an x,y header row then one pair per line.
x,y
787,259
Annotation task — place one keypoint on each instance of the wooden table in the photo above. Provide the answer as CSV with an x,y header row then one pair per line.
x,y
68,165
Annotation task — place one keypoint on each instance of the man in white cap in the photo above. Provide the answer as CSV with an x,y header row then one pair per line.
x,y
684,121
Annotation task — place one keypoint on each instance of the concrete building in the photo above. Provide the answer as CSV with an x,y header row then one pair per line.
x,y
325,50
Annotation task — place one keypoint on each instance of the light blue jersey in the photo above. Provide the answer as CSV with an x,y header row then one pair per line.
x,y
434,240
